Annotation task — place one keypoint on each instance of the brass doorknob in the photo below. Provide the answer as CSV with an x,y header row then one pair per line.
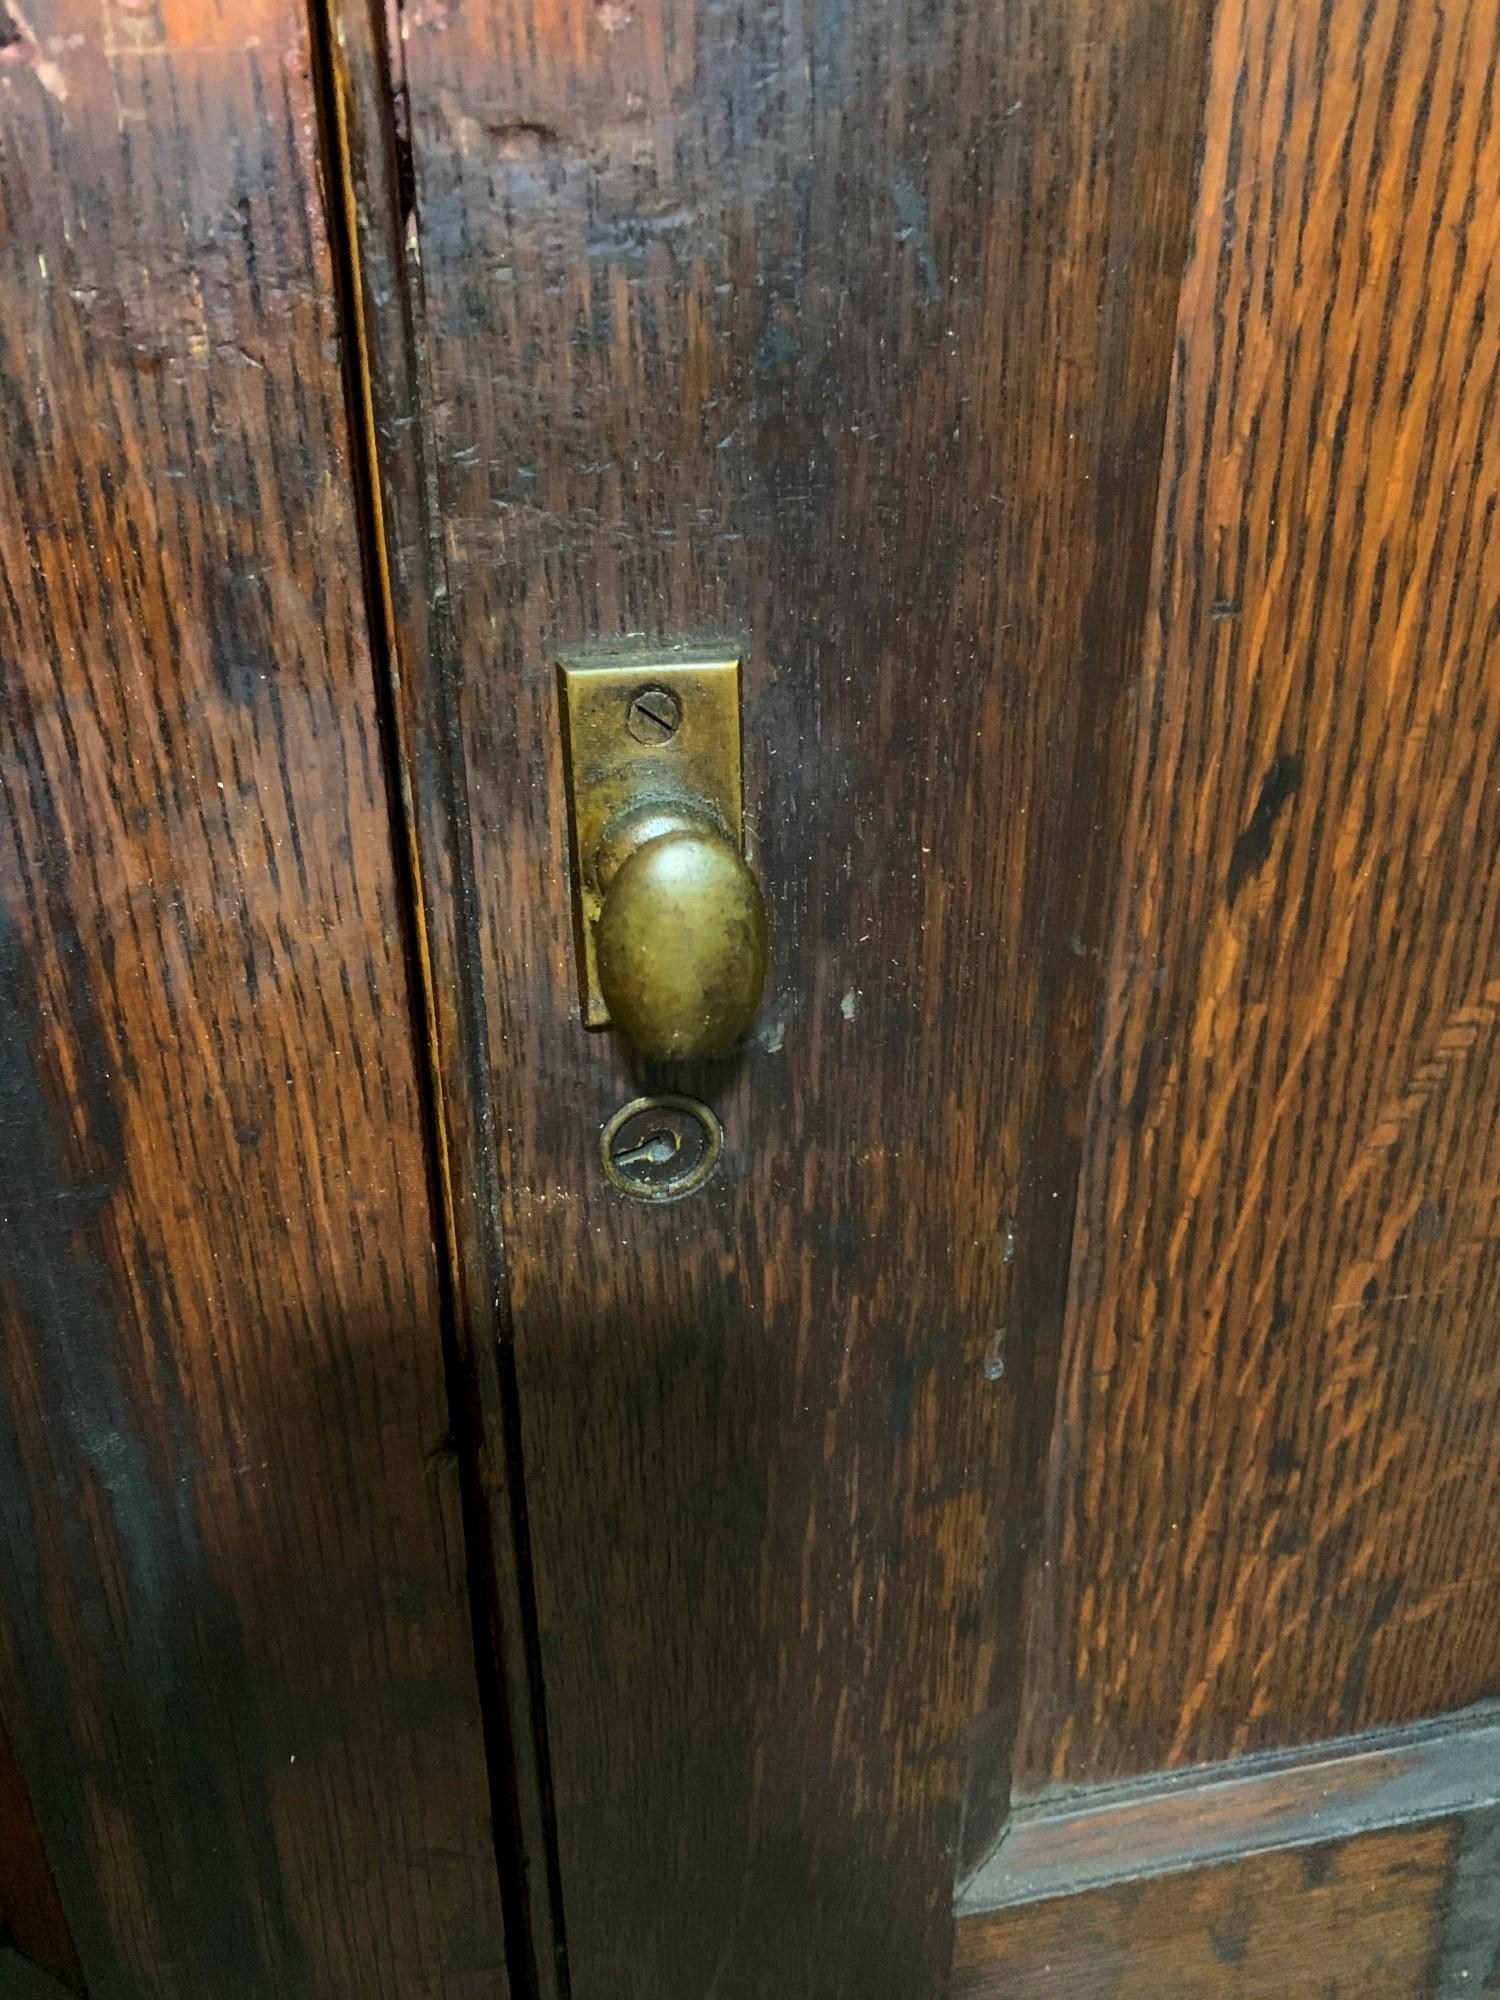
x,y
680,942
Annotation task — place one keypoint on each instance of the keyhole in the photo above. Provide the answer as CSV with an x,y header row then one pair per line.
x,y
653,1152
660,1148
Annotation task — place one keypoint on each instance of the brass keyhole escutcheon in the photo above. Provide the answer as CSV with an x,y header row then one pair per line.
x,y
661,1148
669,920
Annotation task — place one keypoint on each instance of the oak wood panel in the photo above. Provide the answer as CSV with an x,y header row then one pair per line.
x,y
233,1642
384,297
1097,1834
844,336
1345,1920
1274,1476
31,1916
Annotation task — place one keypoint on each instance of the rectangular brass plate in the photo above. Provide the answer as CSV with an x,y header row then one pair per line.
x,y
611,769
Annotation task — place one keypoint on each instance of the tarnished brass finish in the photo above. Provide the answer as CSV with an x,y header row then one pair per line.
x,y
661,1148
680,946
670,923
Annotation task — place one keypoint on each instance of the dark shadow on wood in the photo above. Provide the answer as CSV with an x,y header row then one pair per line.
x,y
21,1979
368,178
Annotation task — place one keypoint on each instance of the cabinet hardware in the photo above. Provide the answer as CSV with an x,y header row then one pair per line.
x,y
669,922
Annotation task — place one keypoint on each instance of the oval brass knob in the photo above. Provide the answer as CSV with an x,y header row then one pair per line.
x,y
680,943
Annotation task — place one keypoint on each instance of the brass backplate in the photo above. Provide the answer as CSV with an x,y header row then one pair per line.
x,y
638,728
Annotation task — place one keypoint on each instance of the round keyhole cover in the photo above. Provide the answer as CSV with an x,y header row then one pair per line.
x,y
661,1148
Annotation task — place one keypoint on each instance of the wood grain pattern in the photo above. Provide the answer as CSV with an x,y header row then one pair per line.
x,y
233,1644
1274,1478
384,297
844,336
1162,1824
31,1916
1343,1921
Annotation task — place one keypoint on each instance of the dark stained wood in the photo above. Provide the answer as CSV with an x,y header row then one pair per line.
x,y
1077,605
1471,1925
31,1917
20,1979
384,301
846,336
234,1652
1274,1480
1347,1920
1157,1825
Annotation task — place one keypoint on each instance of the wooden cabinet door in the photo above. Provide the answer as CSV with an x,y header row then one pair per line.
x,y
1053,1462
842,338
1026,1524
235,1655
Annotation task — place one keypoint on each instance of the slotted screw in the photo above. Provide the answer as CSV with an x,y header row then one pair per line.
x,y
654,715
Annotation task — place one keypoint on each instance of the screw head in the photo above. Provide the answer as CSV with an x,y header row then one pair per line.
x,y
654,715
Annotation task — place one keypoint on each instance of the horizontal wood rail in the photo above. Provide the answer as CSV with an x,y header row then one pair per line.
x,y
1091,1836
1362,1867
